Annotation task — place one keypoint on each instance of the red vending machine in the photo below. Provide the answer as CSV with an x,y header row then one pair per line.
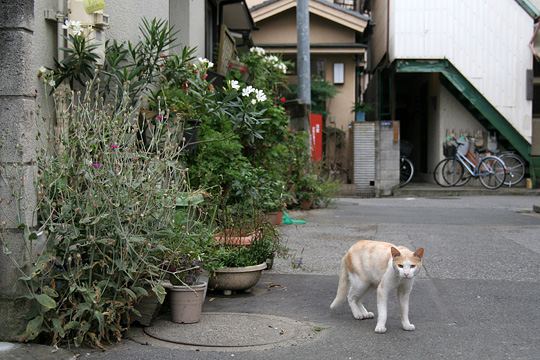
x,y
316,124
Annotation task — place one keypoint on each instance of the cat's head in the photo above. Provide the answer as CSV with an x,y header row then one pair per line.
x,y
407,264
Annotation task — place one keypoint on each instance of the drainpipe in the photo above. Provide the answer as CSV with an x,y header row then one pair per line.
x,y
60,16
303,61
303,56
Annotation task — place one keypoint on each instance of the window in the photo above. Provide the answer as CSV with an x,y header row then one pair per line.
x,y
339,73
347,4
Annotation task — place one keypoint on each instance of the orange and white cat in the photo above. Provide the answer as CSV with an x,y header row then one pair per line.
x,y
383,266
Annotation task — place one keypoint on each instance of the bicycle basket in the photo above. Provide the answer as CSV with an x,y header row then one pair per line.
x,y
405,148
449,150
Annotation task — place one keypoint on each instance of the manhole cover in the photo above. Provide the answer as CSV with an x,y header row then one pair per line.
x,y
231,330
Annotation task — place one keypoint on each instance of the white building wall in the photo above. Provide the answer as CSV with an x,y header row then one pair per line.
x,y
126,16
486,40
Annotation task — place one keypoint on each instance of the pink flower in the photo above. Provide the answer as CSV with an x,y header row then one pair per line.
x,y
97,165
114,146
282,100
159,117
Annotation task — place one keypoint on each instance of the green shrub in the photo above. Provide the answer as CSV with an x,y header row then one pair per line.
x,y
104,198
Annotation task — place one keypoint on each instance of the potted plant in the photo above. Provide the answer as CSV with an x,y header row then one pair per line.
x,y
187,243
307,190
272,200
186,292
361,109
239,268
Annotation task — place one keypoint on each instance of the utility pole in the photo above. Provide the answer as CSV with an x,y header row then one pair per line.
x,y
303,56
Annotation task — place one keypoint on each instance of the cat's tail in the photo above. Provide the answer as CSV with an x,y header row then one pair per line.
x,y
343,286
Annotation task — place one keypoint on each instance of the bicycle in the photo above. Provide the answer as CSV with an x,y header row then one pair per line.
x,y
464,163
515,167
406,167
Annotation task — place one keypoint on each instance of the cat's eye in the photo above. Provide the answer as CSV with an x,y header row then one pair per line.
x,y
413,266
400,266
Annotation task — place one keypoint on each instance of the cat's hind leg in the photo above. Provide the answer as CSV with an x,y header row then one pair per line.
x,y
357,289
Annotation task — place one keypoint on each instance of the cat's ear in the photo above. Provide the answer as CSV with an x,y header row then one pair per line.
x,y
419,253
395,252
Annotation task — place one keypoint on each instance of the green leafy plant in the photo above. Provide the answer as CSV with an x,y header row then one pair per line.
x,y
362,107
265,246
105,199
130,68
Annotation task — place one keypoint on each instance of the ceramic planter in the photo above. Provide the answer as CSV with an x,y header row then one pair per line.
x,y
148,307
186,302
231,279
235,237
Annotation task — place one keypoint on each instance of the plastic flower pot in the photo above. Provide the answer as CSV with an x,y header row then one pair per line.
x,y
186,302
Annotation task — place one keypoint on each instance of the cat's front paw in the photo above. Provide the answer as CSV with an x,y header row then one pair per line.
x,y
369,315
379,329
408,327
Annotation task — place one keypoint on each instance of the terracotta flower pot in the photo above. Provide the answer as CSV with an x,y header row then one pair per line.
x,y
186,302
235,237
275,218
231,279
306,204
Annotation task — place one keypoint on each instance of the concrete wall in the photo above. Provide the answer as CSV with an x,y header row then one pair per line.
x,y
387,159
126,16
17,156
379,39
446,115
340,106
487,41
281,29
188,17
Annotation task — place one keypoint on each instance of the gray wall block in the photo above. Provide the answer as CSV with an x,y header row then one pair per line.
x,y
18,197
13,241
16,63
14,314
17,14
17,130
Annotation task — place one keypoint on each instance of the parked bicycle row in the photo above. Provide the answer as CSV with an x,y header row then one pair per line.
x,y
464,161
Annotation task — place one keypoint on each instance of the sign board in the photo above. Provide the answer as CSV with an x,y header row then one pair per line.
x,y
316,124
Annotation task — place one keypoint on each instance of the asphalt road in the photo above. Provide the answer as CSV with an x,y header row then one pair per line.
x,y
478,296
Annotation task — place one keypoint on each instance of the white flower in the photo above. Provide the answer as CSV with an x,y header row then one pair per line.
x,y
42,70
260,95
234,84
247,90
52,83
281,66
206,62
253,101
271,59
257,50
73,27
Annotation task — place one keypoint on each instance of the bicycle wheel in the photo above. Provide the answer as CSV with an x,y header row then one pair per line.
x,y
467,176
515,168
452,171
491,172
406,171
438,175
